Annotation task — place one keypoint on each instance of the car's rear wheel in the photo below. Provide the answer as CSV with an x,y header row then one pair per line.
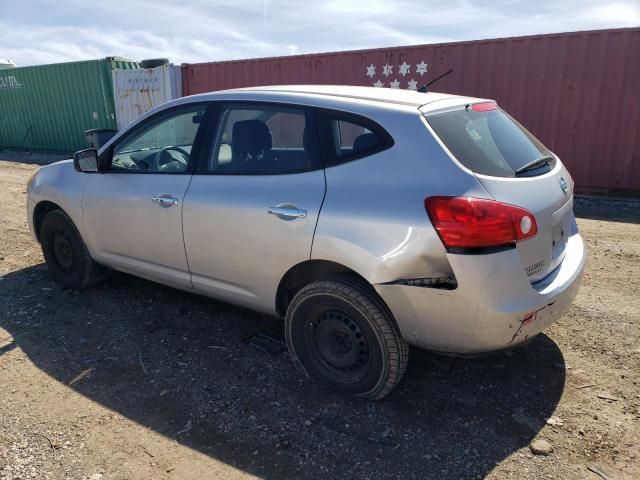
x,y
342,336
66,254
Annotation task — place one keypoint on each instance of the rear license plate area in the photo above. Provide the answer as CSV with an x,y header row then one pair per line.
x,y
560,229
560,235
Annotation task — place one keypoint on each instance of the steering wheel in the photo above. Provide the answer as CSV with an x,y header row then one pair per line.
x,y
164,160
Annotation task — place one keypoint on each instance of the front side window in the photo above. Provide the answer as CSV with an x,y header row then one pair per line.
x,y
263,139
162,147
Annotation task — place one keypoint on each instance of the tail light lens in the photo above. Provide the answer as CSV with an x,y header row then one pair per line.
x,y
465,222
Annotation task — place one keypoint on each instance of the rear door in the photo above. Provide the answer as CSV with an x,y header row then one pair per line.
x,y
251,209
517,169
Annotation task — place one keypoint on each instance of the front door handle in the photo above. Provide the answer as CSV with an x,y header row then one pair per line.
x,y
165,200
287,212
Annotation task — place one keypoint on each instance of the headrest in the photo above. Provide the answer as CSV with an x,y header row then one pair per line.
x,y
366,141
251,136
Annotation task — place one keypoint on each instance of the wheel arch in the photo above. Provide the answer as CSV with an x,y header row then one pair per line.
x,y
306,272
41,209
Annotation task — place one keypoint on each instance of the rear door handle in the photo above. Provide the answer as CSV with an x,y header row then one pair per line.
x,y
165,200
287,212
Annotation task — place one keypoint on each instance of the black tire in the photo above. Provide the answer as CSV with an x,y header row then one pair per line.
x,y
67,256
341,335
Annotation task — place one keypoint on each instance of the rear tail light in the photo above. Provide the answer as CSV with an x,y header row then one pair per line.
x,y
465,222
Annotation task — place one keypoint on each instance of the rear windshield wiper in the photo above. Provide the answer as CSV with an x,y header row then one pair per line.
x,y
533,164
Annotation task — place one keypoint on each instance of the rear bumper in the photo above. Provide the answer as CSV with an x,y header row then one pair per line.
x,y
494,307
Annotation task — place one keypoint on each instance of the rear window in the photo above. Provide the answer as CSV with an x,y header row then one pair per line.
x,y
490,142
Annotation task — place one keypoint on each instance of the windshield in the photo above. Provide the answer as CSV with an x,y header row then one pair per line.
x,y
489,142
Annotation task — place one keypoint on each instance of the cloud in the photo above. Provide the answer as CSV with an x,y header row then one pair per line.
x,y
623,14
203,30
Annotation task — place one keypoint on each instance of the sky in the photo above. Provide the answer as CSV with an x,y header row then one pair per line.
x,y
189,31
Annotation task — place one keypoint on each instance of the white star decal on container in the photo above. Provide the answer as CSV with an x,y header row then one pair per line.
x,y
387,70
404,68
371,70
421,68
378,84
394,84
412,85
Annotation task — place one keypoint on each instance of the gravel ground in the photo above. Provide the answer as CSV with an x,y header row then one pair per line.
x,y
133,380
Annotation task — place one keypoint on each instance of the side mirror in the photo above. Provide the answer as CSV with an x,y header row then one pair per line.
x,y
86,160
197,118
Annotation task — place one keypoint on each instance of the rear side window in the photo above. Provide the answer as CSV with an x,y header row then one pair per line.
x,y
489,142
349,137
265,140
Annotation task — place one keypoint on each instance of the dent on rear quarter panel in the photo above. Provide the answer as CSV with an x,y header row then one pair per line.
x,y
373,218
61,184
482,314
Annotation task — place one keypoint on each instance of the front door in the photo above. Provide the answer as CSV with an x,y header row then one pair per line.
x,y
251,209
133,211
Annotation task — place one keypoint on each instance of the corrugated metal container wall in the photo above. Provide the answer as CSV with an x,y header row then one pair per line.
x,y
48,107
138,91
577,92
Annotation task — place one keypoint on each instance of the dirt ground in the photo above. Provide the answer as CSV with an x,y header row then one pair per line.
x,y
133,380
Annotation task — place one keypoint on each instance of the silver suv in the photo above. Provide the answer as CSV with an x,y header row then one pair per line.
x,y
371,219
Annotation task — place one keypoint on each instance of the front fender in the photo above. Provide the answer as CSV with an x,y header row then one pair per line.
x,y
60,184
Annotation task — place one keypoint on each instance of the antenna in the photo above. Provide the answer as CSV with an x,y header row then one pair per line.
x,y
423,89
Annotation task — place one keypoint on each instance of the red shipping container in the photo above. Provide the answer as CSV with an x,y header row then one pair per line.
x,y
578,92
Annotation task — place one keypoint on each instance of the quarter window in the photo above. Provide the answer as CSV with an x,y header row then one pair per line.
x,y
263,139
165,146
349,137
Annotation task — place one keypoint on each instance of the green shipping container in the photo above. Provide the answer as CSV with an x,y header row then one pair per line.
x,y
49,107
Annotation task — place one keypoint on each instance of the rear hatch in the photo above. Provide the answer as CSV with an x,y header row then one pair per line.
x,y
517,169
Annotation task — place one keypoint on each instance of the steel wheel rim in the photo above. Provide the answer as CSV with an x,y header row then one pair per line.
x,y
338,345
62,250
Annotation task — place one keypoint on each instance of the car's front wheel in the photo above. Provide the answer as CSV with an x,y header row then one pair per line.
x,y
341,335
67,256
